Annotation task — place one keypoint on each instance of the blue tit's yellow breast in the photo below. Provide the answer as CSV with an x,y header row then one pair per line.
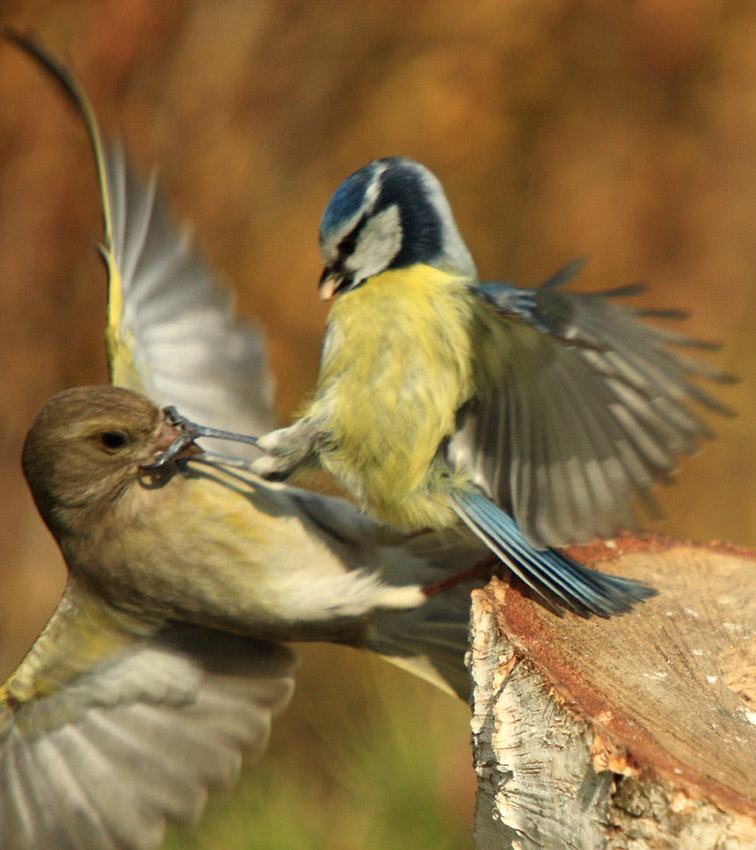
x,y
396,367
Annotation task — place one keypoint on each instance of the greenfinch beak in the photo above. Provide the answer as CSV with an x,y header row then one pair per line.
x,y
173,443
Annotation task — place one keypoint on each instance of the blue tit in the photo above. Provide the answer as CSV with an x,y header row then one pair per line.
x,y
164,662
531,416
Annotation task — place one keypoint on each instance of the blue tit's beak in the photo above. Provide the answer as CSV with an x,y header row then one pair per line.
x,y
330,282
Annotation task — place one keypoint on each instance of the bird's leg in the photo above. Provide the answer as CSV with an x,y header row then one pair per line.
x,y
287,448
482,569
188,433
213,459
173,417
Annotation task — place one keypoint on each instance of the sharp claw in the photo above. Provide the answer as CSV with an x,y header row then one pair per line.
x,y
181,443
179,421
175,440
189,432
174,418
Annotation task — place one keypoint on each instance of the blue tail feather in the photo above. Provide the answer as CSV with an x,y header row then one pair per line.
x,y
579,588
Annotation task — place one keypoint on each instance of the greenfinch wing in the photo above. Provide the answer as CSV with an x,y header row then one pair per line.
x,y
171,332
158,716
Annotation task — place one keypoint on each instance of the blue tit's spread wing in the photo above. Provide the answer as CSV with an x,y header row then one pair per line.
x,y
171,332
589,407
108,730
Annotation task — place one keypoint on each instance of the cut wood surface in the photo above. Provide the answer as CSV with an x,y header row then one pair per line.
x,y
639,731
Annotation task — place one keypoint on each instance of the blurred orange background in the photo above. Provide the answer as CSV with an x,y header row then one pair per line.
x,y
625,132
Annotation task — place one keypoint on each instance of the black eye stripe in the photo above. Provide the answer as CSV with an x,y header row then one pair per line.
x,y
348,244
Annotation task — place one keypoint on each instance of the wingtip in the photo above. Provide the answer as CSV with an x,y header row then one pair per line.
x,y
564,275
31,44
10,33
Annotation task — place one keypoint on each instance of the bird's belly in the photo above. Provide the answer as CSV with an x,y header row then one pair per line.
x,y
383,450
237,559
392,389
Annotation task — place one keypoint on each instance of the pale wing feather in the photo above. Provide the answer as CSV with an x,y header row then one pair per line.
x,y
589,407
171,331
175,337
136,739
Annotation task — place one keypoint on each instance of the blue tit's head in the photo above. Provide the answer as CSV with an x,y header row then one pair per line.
x,y
390,214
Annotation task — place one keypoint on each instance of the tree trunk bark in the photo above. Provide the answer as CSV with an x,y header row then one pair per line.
x,y
636,732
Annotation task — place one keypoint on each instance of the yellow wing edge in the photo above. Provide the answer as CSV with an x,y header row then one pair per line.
x,y
120,356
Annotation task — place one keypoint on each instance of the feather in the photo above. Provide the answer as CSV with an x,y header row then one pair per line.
x,y
171,332
585,407
548,572
170,714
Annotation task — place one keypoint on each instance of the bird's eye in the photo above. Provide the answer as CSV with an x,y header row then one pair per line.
x,y
347,245
113,440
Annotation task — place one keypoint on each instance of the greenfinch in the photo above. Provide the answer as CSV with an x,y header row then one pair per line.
x,y
163,661
530,416
164,664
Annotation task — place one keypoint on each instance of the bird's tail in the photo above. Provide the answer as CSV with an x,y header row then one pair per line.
x,y
550,573
431,641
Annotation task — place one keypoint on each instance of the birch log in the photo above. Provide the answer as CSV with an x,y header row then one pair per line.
x,y
636,732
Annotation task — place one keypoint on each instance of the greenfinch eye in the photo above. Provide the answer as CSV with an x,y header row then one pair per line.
x,y
113,440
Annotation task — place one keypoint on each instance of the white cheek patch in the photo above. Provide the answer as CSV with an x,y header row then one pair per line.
x,y
329,252
380,240
330,248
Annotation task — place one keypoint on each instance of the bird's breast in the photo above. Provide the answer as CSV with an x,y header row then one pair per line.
x,y
396,368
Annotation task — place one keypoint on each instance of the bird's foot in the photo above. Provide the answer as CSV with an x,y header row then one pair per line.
x,y
482,569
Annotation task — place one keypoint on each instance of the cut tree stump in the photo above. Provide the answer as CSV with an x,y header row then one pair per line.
x,y
635,732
